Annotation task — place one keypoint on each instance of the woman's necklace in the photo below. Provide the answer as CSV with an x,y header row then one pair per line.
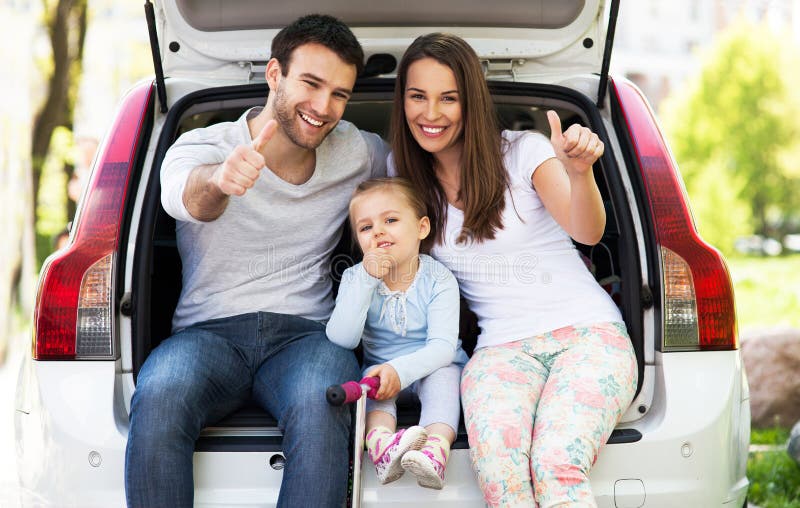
x,y
450,186
453,193
448,179
451,182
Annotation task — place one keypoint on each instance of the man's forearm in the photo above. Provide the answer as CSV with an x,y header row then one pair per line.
x,y
204,200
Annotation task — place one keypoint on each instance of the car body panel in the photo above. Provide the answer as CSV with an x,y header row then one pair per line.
x,y
72,413
519,35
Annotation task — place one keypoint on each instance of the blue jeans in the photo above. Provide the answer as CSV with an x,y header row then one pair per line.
x,y
206,371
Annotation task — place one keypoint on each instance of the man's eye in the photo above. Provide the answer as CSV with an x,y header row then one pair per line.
x,y
342,96
310,83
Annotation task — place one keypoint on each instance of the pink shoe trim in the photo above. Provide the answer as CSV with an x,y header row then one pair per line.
x,y
388,465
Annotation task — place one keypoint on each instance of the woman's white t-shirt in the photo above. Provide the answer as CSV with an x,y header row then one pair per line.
x,y
530,279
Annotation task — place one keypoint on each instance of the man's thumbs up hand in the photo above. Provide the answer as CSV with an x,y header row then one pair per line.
x,y
242,167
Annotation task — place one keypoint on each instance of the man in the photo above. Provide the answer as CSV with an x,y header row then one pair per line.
x,y
260,205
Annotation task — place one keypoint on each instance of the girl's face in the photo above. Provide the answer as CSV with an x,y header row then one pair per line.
x,y
433,106
383,220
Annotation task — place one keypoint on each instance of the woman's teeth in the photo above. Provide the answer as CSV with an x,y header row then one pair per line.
x,y
432,130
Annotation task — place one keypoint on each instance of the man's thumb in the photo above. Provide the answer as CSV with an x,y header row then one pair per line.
x,y
265,135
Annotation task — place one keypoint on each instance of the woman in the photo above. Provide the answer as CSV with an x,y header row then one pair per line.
x,y
553,368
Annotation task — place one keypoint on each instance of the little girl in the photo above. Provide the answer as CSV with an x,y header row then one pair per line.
x,y
405,307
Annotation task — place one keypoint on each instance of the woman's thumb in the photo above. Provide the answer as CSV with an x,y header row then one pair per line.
x,y
555,125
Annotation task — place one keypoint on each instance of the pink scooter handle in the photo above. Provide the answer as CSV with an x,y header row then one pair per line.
x,y
351,391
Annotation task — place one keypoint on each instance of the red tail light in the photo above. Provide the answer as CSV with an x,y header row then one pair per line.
x,y
699,311
73,315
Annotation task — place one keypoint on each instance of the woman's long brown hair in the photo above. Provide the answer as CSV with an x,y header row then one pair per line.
x,y
483,177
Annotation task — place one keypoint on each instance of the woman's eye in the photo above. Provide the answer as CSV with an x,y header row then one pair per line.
x,y
416,97
448,99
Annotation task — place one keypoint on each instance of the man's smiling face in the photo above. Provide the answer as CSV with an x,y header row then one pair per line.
x,y
310,99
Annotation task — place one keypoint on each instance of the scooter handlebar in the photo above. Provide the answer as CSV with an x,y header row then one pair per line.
x,y
351,391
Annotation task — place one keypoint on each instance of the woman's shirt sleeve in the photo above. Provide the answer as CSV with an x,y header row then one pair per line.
x,y
528,151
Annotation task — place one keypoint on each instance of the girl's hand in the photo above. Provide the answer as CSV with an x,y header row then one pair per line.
x,y
377,263
390,381
577,148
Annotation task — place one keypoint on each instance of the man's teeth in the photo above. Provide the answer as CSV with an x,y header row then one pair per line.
x,y
315,123
433,130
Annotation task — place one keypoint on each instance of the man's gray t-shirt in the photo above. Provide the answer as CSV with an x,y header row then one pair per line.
x,y
270,250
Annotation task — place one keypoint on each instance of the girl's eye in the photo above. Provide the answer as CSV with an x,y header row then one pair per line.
x,y
364,228
389,220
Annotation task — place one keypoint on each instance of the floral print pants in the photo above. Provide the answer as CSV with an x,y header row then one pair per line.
x,y
537,411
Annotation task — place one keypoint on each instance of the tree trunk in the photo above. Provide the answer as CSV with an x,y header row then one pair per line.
x,y
77,71
66,25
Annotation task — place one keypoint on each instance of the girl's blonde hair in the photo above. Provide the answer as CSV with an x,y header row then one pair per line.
x,y
399,184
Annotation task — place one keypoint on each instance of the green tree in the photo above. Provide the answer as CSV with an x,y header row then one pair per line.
x,y
66,23
733,130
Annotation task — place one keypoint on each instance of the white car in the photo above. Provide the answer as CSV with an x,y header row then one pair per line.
x,y
107,300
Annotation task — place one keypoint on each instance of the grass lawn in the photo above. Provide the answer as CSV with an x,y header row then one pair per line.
x,y
774,476
768,295
767,291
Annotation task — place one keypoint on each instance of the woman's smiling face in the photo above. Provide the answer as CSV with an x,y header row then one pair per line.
x,y
433,106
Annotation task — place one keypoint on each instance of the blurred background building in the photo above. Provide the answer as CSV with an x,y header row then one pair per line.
x,y
659,42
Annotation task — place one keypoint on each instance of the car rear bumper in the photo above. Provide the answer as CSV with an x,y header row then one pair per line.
x,y
695,438
70,434
71,431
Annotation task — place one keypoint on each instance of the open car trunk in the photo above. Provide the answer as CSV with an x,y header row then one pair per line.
x,y
157,266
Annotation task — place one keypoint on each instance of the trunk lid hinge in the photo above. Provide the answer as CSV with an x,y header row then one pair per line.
x,y
612,27
161,89
255,70
502,68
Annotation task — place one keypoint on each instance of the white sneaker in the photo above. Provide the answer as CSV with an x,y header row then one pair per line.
x,y
388,465
428,470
